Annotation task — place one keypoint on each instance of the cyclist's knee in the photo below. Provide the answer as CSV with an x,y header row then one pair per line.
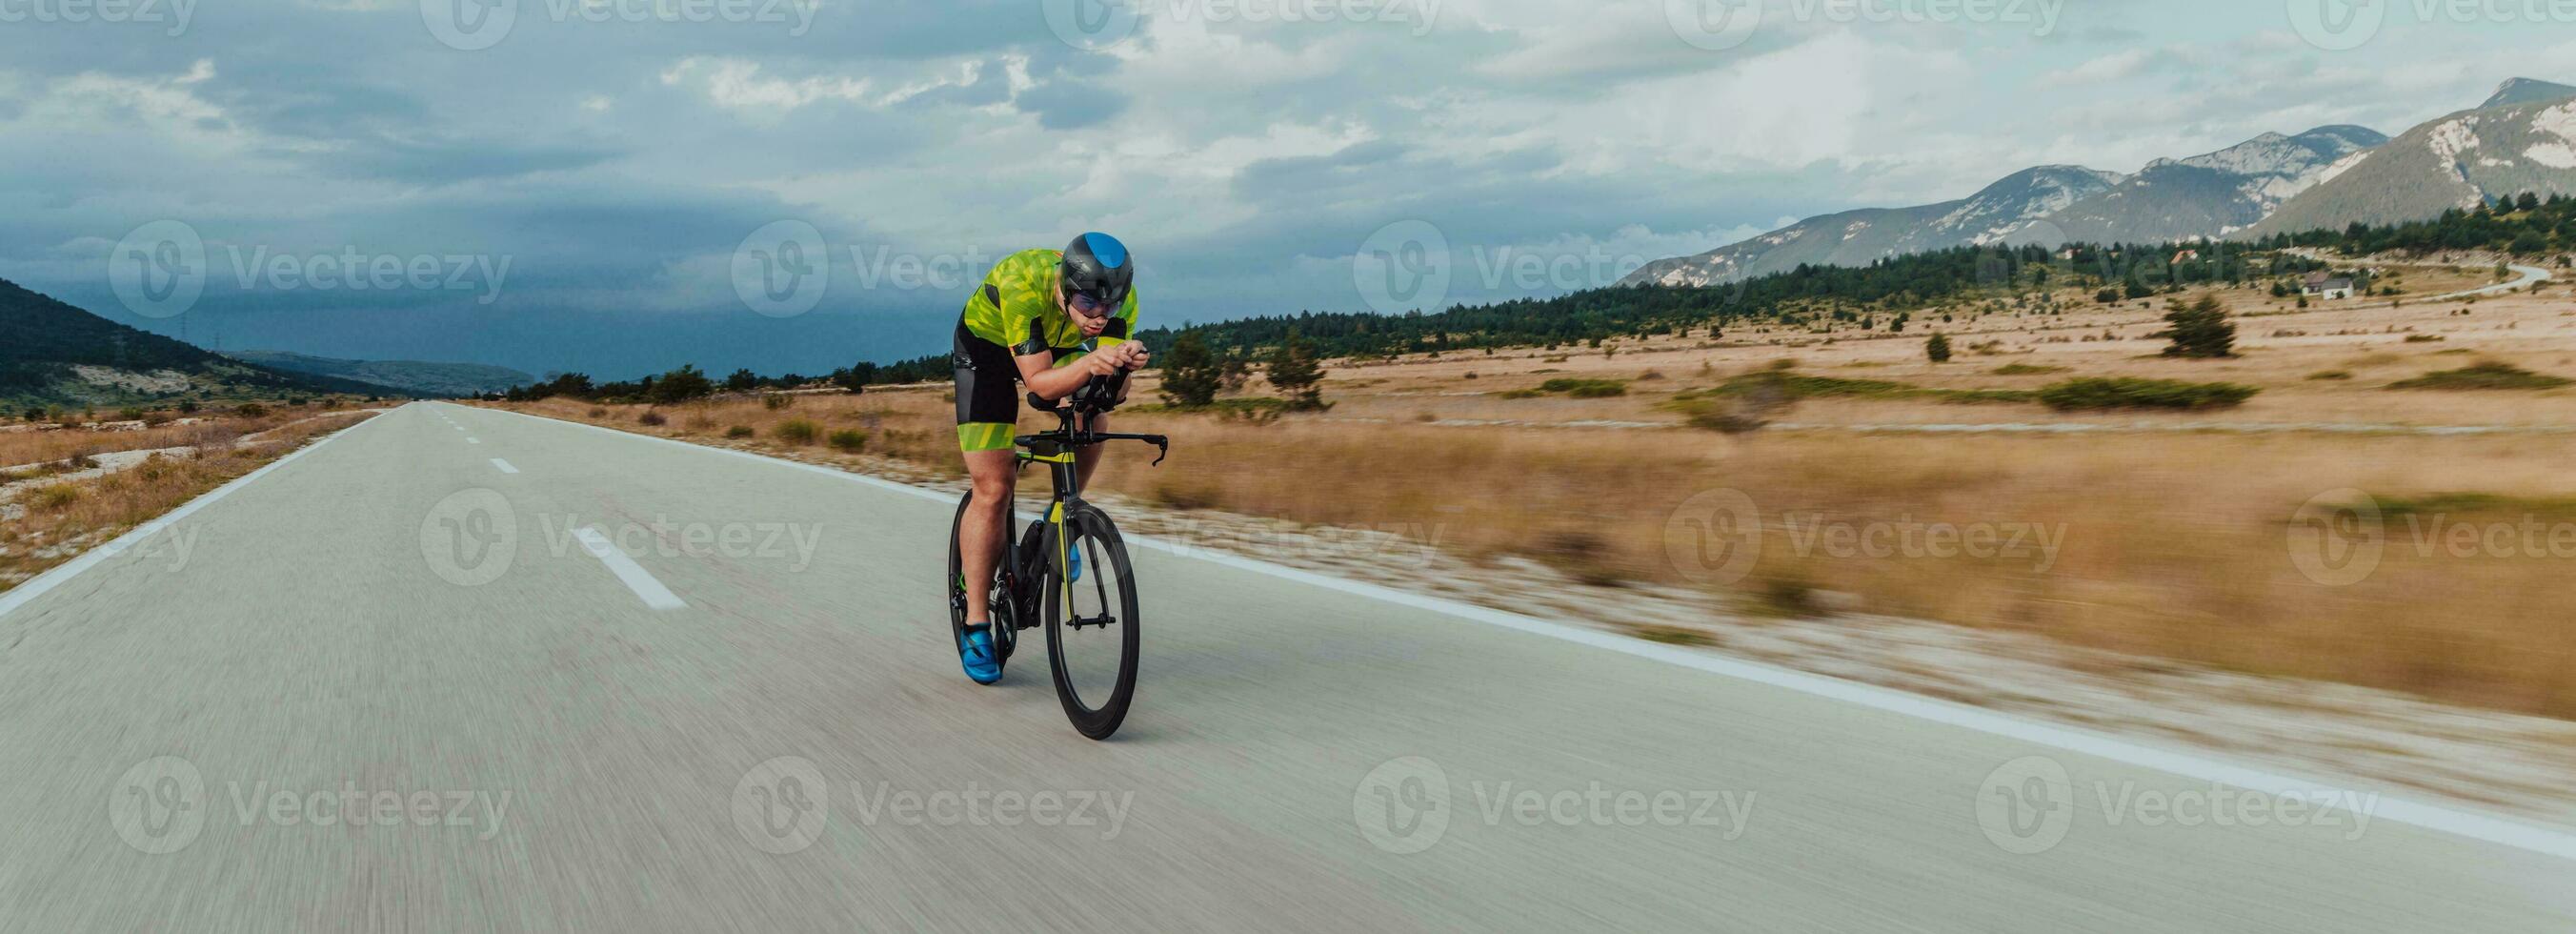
x,y
991,488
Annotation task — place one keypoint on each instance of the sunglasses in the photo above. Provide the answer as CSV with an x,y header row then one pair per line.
x,y
1090,307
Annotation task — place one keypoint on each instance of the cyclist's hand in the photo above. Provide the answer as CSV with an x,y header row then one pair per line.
x,y
1136,360
1105,362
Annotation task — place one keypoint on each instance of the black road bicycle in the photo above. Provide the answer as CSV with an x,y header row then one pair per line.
x,y
1069,570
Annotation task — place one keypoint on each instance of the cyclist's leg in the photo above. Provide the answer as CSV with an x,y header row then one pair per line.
x,y
988,406
980,532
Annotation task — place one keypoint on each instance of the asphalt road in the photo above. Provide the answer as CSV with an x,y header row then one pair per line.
x,y
390,685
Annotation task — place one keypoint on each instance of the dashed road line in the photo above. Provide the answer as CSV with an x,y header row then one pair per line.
x,y
635,577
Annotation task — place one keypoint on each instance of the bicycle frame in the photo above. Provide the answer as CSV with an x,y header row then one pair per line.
x,y
1066,442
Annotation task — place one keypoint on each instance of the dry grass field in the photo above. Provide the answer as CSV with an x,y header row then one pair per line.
x,y
2164,535
63,505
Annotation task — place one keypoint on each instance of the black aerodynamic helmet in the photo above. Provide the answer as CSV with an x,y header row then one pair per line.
x,y
1097,266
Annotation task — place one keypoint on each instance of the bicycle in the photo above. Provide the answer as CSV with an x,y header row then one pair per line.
x,y
1041,578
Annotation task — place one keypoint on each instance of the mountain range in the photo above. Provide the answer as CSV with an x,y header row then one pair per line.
x,y
2523,138
444,380
56,354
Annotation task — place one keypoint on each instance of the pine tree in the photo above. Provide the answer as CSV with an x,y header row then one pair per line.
x,y
1190,372
1938,348
1294,371
2200,330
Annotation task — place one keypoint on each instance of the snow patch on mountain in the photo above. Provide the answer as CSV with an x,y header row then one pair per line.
x,y
2341,166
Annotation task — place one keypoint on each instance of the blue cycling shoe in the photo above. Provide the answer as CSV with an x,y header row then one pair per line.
x,y
976,652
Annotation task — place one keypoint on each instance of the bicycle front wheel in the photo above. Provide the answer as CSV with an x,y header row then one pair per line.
x,y
1091,622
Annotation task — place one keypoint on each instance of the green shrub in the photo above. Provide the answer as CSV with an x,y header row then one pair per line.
x,y
850,440
250,410
651,418
2027,369
2330,375
2077,395
1586,388
739,431
776,401
1801,386
2489,375
797,431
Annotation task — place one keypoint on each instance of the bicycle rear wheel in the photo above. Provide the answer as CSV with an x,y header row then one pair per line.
x,y
1091,624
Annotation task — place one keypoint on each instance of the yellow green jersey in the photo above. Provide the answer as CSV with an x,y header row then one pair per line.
x,y
1016,308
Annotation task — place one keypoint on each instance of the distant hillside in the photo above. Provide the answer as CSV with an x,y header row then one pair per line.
x,y
1858,238
447,380
54,354
2215,194
2461,160
2208,195
2527,91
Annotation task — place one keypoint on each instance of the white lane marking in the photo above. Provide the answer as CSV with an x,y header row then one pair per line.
x,y
2461,822
473,440
65,571
655,595
504,465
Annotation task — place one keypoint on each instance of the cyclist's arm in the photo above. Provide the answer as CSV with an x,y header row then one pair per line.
x,y
1051,382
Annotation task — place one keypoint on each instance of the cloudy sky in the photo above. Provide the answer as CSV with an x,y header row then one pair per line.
x,y
619,186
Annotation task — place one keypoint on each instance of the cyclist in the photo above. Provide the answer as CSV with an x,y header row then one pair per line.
x,y
1029,323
